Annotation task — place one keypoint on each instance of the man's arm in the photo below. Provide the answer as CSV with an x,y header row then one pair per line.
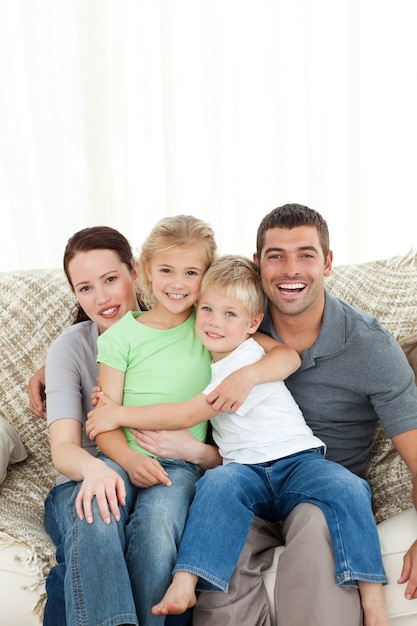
x,y
36,392
279,362
406,446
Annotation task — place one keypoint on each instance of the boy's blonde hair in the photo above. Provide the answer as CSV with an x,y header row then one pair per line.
x,y
236,276
171,234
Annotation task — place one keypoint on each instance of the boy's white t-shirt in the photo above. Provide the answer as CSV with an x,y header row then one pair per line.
x,y
269,425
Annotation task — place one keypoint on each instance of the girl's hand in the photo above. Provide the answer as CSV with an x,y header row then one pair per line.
x,y
102,419
95,395
104,484
145,471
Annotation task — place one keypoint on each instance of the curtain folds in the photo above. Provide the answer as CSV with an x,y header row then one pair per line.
x,y
120,112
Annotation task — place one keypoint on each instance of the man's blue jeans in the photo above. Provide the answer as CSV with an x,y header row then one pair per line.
x,y
228,497
116,571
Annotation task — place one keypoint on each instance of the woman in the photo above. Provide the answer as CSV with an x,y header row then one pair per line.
x,y
100,268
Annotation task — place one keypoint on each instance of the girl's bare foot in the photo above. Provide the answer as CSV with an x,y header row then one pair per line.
x,y
179,596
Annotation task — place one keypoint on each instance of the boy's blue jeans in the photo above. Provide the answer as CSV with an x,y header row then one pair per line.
x,y
228,497
115,572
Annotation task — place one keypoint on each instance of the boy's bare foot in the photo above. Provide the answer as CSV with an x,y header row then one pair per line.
x,y
373,604
179,596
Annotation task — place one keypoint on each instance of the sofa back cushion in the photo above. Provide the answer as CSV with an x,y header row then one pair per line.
x,y
34,308
387,290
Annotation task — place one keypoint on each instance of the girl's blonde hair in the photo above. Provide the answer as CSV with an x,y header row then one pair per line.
x,y
238,277
169,235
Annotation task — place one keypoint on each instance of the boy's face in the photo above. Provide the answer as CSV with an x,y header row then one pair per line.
x,y
222,323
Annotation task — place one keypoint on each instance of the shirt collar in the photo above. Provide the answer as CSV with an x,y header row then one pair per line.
x,y
332,336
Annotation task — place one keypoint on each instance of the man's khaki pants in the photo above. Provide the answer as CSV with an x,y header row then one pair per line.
x,y
306,593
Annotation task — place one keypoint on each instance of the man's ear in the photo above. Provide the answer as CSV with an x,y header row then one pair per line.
x,y
328,264
255,323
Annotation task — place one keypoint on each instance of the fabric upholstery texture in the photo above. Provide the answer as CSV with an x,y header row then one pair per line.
x,y
387,290
34,308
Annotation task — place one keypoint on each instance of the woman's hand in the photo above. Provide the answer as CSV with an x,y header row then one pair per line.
x,y
36,392
168,444
177,445
104,484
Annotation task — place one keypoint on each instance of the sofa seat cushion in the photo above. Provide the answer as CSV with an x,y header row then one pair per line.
x,y
396,535
21,596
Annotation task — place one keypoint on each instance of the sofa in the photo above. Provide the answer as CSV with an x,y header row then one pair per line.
x,y
37,305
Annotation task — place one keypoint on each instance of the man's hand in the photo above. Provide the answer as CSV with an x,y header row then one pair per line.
x,y
409,573
232,391
36,392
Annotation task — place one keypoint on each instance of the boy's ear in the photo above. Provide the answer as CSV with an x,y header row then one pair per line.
x,y
255,323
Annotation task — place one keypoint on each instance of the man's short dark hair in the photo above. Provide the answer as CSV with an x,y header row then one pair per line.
x,y
291,216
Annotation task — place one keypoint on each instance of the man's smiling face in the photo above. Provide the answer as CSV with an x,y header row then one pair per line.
x,y
293,268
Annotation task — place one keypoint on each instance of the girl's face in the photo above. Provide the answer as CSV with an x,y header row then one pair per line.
x,y
103,285
176,278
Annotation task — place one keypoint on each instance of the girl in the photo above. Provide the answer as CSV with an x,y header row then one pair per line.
x,y
148,357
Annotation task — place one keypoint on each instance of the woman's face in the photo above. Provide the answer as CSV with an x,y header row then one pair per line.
x,y
103,285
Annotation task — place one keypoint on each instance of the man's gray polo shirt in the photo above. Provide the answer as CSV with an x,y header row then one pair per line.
x,y
353,374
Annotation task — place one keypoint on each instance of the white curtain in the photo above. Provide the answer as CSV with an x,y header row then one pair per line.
x,y
119,112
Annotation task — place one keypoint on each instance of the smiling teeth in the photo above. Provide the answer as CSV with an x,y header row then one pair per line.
x,y
291,286
176,296
109,311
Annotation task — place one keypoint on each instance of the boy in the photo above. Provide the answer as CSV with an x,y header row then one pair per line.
x,y
271,459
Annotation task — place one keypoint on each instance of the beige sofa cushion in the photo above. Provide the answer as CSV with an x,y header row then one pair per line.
x,y
34,308
387,290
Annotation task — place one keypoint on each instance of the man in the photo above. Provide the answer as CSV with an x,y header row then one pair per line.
x,y
352,374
